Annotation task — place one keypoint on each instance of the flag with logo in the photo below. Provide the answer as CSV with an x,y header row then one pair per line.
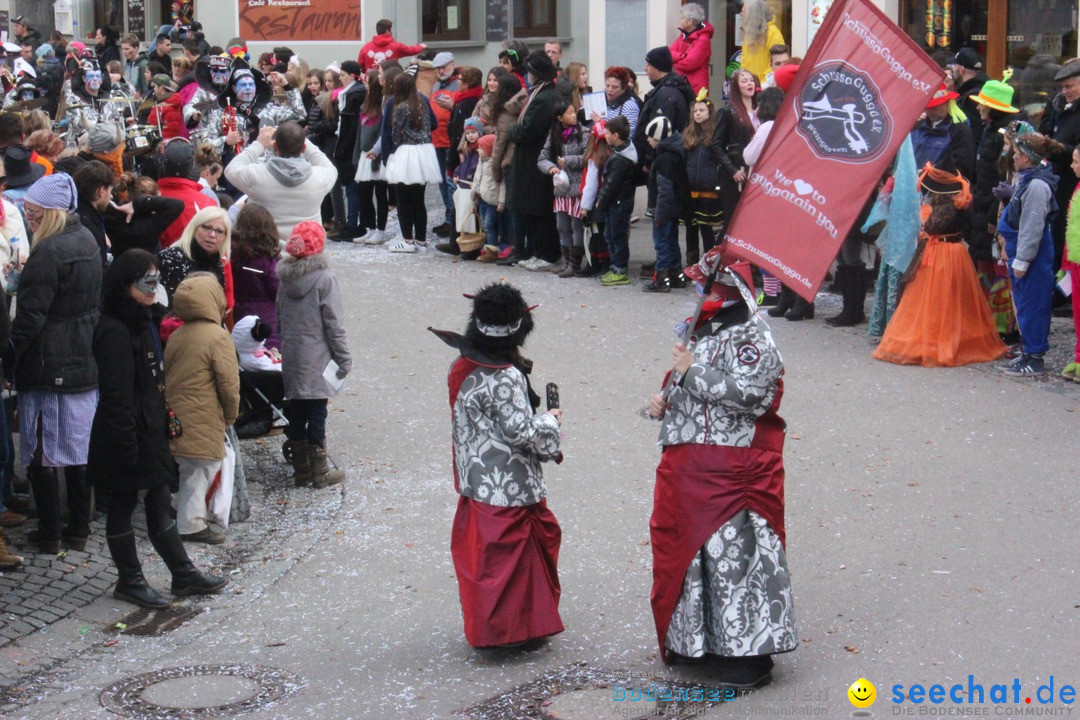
x,y
858,93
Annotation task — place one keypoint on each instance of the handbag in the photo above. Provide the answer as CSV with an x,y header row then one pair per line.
x,y
471,241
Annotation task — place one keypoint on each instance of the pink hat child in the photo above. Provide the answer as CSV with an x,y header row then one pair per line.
x,y
307,238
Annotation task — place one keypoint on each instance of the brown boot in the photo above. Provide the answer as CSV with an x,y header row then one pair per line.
x,y
8,561
296,453
321,473
574,264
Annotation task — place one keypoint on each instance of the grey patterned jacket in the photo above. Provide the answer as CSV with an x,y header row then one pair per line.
x,y
734,381
499,442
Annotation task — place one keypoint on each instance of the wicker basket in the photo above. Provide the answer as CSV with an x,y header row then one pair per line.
x,y
470,241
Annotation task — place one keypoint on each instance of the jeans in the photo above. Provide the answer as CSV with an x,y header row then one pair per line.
x,y
352,202
307,421
492,221
665,240
617,234
446,187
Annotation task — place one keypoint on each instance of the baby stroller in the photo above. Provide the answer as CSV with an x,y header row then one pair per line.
x,y
262,389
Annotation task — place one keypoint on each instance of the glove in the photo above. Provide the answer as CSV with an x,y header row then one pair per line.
x,y
341,373
1003,191
586,218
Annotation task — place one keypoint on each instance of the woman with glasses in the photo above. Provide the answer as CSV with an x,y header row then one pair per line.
x,y
51,338
203,246
129,444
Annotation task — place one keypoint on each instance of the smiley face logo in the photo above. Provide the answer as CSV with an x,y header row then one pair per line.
x,y
862,693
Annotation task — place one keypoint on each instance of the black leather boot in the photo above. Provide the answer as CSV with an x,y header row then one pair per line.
x,y
46,491
186,578
851,281
801,310
131,586
78,499
787,300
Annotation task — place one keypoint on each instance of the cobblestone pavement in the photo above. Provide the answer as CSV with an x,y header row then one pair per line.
x,y
77,586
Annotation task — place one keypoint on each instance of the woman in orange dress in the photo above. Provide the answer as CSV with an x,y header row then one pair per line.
x,y
943,318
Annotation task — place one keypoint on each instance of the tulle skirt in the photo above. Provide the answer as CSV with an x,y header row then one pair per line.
x,y
365,172
413,165
943,318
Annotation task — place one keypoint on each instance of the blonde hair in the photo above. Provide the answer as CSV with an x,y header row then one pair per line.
x,y
36,120
203,216
53,220
573,73
755,27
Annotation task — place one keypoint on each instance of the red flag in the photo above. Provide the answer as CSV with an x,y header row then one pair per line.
x,y
858,93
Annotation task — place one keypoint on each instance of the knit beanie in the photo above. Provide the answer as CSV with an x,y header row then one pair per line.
x,y
56,192
476,124
660,58
307,238
784,75
486,143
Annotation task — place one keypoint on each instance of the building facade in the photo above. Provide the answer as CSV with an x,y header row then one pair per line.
x,y
1033,37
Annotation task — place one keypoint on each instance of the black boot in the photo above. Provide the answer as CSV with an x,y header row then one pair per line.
x,y
131,586
661,282
801,310
850,280
450,247
78,499
46,491
186,578
787,300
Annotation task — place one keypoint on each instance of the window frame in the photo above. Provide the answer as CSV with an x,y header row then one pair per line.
x,y
532,29
464,22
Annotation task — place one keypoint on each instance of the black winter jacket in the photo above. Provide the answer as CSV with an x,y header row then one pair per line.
x,y
93,221
730,138
57,308
620,175
667,178
983,203
1062,123
346,137
528,190
129,443
671,97
153,214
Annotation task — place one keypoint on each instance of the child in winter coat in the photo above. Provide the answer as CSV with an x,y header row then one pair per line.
x,y
489,195
667,180
597,152
311,322
202,383
564,151
702,170
615,199
467,152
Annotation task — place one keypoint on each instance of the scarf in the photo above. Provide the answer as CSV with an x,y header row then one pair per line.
x,y
532,94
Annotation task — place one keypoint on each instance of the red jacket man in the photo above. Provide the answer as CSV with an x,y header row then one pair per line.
x,y
384,47
169,111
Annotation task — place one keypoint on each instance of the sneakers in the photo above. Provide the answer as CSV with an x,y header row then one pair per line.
x,y
510,258
375,237
537,264
613,277
403,246
1025,366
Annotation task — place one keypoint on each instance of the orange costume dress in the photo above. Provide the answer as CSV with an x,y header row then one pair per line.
x,y
943,318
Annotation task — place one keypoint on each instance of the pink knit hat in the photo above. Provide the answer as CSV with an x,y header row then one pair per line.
x,y
307,238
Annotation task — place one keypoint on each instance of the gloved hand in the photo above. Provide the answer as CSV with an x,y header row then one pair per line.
x,y
341,373
586,218
1003,191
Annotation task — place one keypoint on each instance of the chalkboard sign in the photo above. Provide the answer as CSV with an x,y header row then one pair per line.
x,y
136,14
498,20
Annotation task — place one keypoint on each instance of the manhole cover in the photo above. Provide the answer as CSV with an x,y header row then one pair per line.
x,y
155,622
199,691
581,692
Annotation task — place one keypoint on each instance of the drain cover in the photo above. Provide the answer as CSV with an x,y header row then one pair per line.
x,y
582,692
155,622
199,691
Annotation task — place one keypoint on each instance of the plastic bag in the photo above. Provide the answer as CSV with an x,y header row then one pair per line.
x,y
220,495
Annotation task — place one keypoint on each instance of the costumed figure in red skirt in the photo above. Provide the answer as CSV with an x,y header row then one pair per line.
x,y
505,541
721,587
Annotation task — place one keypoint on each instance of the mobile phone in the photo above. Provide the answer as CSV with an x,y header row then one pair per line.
x,y
552,396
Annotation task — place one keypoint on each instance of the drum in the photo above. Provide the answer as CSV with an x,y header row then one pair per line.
x,y
141,139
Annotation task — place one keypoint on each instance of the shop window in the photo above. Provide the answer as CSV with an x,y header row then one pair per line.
x,y
445,20
942,27
534,18
627,21
1037,44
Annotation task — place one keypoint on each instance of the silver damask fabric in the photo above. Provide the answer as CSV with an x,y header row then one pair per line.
x,y
83,117
212,124
732,382
736,597
275,112
498,442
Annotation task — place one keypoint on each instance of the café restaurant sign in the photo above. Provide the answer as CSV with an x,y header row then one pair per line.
x,y
299,20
